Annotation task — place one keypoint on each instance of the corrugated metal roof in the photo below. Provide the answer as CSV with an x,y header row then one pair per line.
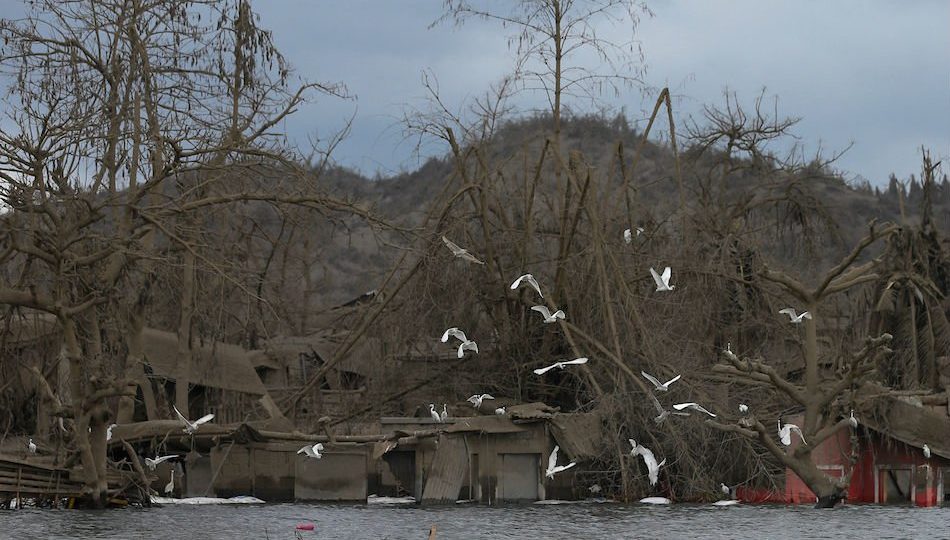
x,y
485,424
445,476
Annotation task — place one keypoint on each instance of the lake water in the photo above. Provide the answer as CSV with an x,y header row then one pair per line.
x,y
601,521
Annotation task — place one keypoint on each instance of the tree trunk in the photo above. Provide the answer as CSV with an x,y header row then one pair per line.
x,y
183,371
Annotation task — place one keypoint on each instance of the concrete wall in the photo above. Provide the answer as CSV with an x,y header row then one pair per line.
x,y
335,477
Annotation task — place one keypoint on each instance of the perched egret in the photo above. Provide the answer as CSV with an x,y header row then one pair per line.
x,y
170,486
312,451
653,468
662,282
561,365
662,387
655,500
743,408
529,279
476,399
553,467
795,317
785,433
664,413
926,451
152,463
434,414
445,414
454,332
852,420
694,406
191,427
548,316
460,252
109,432
500,411
467,346
32,446
724,489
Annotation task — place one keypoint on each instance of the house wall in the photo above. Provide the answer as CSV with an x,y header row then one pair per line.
x,y
869,483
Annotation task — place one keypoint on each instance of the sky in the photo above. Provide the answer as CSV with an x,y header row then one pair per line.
x,y
872,74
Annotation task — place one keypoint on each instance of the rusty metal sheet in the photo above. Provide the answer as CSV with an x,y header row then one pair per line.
x,y
445,476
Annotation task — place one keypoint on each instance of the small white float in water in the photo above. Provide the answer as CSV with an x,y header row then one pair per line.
x,y
727,502
240,499
374,499
655,500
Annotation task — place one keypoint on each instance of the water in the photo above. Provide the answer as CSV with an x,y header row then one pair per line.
x,y
601,521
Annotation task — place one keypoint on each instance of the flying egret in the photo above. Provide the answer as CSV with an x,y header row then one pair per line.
x,y
460,252
109,432
785,433
852,420
926,451
653,468
445,414
795,317
152,463
500,411
454,332
594,488
32,446
553,467
548,316
662,387
434,414
561,365
694,406
191,427
664,413
312,450
170,486
743,408
655,500
529,279
628,234
662,282
467,346
476,399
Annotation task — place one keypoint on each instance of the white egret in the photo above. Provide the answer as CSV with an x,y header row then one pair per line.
x,y
500,411
548,316
662,282
109,432
460,252
662,387
312,451
170,486
191,427
454,332
694,406
529,279
594,488
553,467
655,500
724,489
852,420
152,463
434,414
476,399
743,408
628,234
445,414
653,468
926,451
467,346
785,433
795,317
664,413
32,446
561,365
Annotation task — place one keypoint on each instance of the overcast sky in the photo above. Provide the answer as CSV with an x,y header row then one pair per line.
x,y
875,73
872,73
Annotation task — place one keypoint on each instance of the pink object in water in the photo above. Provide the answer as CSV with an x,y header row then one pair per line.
x,y
305,526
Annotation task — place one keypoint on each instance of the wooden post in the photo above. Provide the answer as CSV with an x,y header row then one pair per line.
x,y
19,503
